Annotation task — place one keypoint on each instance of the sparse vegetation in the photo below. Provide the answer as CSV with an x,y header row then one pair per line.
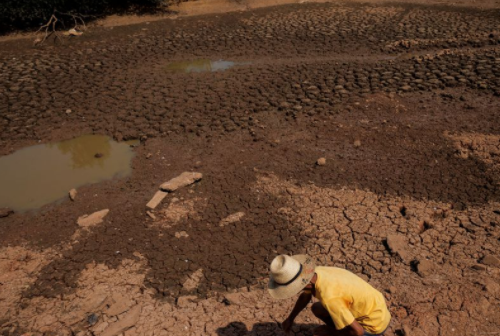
x,y
15,14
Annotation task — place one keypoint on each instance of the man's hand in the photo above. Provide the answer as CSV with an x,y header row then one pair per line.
x,y
287,325
301,303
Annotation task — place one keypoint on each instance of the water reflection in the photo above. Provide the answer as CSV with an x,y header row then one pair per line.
x,y
201,65
82,150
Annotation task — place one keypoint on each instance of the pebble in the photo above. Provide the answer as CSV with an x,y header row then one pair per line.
x,y
92,319
72,194
321,161
92,219
156,200
180,181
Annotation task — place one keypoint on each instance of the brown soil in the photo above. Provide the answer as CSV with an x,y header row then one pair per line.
x,y
400,99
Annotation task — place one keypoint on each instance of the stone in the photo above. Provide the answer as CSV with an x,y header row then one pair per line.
x,y
157,198
93,219
5,212
233,218
182,234
321,161
425,268
180,181
126,322
357,143
398,246
92,319
98,155
151,215
490,260
72,194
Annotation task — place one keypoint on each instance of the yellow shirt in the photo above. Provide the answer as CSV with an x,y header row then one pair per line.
x,y
347,297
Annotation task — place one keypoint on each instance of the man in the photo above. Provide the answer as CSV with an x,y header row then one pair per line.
x,y
348,304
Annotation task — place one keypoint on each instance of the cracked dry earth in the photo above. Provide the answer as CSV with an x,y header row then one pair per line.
x,y
401,100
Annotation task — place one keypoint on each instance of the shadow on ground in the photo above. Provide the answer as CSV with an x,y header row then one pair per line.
x,y
237,328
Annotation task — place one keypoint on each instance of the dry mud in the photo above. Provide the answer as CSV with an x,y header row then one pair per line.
x,y
401,99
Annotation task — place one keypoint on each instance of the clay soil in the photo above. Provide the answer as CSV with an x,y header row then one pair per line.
x,y
402,100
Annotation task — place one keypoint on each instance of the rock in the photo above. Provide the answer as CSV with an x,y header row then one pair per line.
x,y
321,161
425,268
98,155
181,234
73,32
118,305
398,246
157,198
93,219
233,218
68,111
357,143
125,323
490,260
151,215
180,181
5,212
92,319
72,194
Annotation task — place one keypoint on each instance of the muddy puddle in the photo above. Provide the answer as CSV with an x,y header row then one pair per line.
x,y
202,65
41,174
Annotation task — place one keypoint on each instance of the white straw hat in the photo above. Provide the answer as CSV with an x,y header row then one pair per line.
x,y
289,275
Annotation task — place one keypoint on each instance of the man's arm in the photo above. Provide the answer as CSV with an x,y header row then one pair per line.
x,y
301,303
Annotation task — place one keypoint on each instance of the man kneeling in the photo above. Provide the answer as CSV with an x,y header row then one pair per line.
x,y
348,304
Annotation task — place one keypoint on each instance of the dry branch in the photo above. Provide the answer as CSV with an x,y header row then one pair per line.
x,y
50,28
